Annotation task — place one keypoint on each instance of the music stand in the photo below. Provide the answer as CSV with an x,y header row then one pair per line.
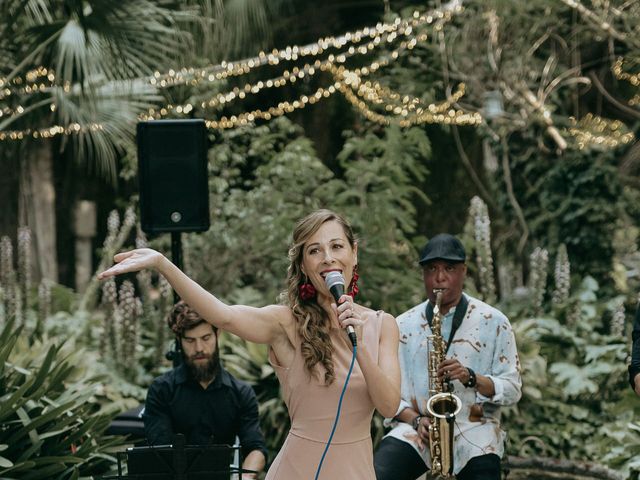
x,y
176,462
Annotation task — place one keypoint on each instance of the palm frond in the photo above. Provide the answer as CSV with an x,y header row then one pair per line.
x,y
115,106
73,61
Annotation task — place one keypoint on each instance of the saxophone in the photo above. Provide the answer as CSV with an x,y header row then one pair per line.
x,y
443,406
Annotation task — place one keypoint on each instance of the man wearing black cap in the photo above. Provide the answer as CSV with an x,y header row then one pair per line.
x,y
481,367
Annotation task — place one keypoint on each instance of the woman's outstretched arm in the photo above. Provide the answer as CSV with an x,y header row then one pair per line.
x,y
260,325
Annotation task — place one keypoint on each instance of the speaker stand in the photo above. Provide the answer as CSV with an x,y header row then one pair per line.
x,y
176,256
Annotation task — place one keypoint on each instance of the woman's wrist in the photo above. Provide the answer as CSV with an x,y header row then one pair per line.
x,y
163,264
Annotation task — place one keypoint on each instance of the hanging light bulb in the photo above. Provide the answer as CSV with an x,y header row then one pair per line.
x,y
492,108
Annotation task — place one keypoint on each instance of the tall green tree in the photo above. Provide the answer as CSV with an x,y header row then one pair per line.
x,y
98,58
555,116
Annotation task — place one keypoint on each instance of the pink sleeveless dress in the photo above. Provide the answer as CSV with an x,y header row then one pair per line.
x,y
312,408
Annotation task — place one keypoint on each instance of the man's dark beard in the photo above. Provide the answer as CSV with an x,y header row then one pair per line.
x,y
206,372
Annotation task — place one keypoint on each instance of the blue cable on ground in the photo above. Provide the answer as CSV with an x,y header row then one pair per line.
x,y
335,423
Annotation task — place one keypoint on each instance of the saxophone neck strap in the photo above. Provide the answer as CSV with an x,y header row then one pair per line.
x,y
458,316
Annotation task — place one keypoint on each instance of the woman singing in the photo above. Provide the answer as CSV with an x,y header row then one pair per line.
x,y
309,348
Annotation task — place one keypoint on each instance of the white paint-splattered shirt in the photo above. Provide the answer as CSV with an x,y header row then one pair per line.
x,y
485,343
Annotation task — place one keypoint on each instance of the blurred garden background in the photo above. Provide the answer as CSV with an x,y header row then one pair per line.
x,y
511,124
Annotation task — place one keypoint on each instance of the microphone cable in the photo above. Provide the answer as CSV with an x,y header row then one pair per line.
x,y
484,452
335,423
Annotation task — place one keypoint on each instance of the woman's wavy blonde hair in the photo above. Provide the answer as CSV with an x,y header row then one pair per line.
x,y
311,320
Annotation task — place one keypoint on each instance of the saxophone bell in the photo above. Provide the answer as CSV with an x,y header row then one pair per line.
x,y
444,406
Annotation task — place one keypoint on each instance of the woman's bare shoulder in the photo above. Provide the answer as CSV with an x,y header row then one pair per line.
x,y
364,310
283,317
387,322
280,314
381,314
386,317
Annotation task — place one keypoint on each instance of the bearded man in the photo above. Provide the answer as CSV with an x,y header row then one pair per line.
x,y
200,399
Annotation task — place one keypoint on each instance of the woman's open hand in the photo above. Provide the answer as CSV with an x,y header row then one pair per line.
x,y
133,261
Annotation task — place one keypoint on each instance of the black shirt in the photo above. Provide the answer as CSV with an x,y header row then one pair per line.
x,y
634,368
176,403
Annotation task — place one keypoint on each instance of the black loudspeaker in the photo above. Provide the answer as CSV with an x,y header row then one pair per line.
x,y
172,170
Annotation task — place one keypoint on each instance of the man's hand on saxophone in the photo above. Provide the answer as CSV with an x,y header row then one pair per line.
x,y
419,422
423,425
451,369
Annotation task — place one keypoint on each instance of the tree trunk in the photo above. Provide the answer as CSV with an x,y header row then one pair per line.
x,y
37,208
9,181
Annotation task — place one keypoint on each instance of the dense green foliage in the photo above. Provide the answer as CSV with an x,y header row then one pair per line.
x,y
52,425
577,403
575,199
264,179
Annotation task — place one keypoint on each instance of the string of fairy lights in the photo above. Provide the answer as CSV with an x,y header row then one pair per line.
x,y
387,32
348,82
375,101
595,130
632,78
382,33
360,42
289,77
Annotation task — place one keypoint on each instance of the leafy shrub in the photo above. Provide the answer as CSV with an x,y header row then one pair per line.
x,y
51,426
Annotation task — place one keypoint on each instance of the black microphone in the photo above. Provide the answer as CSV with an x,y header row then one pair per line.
x,y
175,355
335,283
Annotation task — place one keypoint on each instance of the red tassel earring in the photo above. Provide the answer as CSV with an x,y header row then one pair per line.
x,y
353,286
307,291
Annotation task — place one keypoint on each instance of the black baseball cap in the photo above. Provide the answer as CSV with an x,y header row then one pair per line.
x,y
443,247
